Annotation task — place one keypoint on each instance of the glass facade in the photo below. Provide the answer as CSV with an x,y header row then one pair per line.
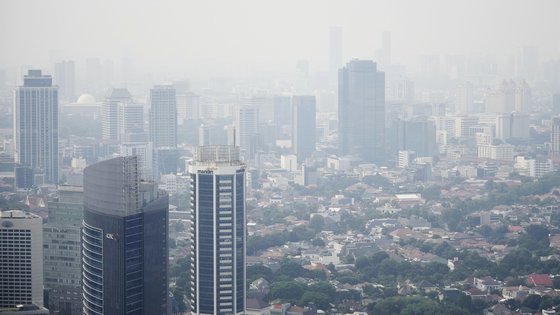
x,y
218,241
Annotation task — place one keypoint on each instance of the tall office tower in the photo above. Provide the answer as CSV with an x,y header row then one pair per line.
x,y
62,252
383,54
21,257
465,98
203,135
64,77
418,135
94,73
218,232
555,137
528,62
124,241
163,117
282,108
522,97
246,137
303,126
361,111
188,107
110,112
130,122
36,124
513,125
335,41
556,104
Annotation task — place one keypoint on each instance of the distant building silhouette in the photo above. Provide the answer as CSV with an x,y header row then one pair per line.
x,y
361,111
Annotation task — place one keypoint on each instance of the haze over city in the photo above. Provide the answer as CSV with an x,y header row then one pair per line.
x,y
260,157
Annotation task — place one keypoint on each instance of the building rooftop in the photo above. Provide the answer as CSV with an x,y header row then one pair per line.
x,y
17,214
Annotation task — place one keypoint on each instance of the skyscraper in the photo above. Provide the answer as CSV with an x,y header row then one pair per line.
x,y
36,125
247,122
62,252
109,112
335,42
218,232
21,258
418,135
361,111
303,126
163,117
130,122
282,108
64,77
555,137
124,241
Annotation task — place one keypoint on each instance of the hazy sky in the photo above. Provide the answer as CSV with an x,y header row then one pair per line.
x,y
204,36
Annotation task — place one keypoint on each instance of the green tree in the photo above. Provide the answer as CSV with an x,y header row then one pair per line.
x,y
289,291
319,298
317,223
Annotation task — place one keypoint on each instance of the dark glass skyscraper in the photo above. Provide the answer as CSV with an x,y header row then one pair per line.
x,y
124,241
361,111
218,232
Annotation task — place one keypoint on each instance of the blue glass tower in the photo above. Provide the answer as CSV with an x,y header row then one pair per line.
x,y
124,241
218,233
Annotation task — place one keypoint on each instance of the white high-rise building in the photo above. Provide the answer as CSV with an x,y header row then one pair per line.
x,y
218,231
110,113
130,122
21,258
163,117
36,125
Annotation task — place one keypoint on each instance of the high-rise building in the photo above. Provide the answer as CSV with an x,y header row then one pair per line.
x,y
465,98
21,258
282,108
62,252
361,111
303,126
188,106
36,125
130,122
555,137
124,241
218,232
203,135
418,135
163,117
246,137
64,77
110,113
383,55
514,125
335,42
